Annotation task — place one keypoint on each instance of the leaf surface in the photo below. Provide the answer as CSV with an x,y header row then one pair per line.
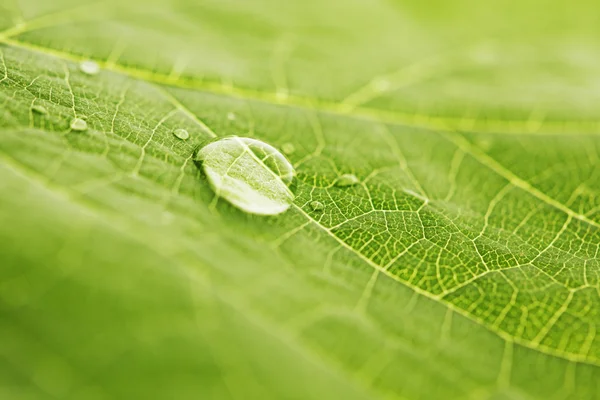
x,y
464,264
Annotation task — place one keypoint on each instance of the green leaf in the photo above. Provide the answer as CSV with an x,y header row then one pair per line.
x,y
463,264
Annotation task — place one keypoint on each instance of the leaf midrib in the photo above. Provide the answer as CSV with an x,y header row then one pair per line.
x,y
588,127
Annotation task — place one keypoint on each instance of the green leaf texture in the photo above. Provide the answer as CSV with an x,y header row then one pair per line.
x,y
464,265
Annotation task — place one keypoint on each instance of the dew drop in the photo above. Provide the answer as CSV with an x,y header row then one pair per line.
x,y
78,125
39,109
288,148
317,206
249,174
89,67
346,180
231,116
181,134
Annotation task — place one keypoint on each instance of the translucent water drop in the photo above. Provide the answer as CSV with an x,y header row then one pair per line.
x,y
78,125
89,67
346,180
288,148
249,174
39,109
317,206
181,134
231,116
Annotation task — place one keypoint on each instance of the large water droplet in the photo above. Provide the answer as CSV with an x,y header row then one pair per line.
x,y
79,125
89,67
249,174
181,134
346,180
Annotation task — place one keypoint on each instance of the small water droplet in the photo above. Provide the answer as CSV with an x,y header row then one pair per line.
x,y
288,148
381,85
317,206
181,134
249,174
484,53
281,94
78,125
346,180
39,109
89,67
484,143
231,116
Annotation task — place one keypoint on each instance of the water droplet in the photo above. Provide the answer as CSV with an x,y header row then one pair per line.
x,y
381,85
181,134
346,180
89,67
288,148
231,116
281,94
484,143
317,206
249,174
484,53
39,109
78,125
